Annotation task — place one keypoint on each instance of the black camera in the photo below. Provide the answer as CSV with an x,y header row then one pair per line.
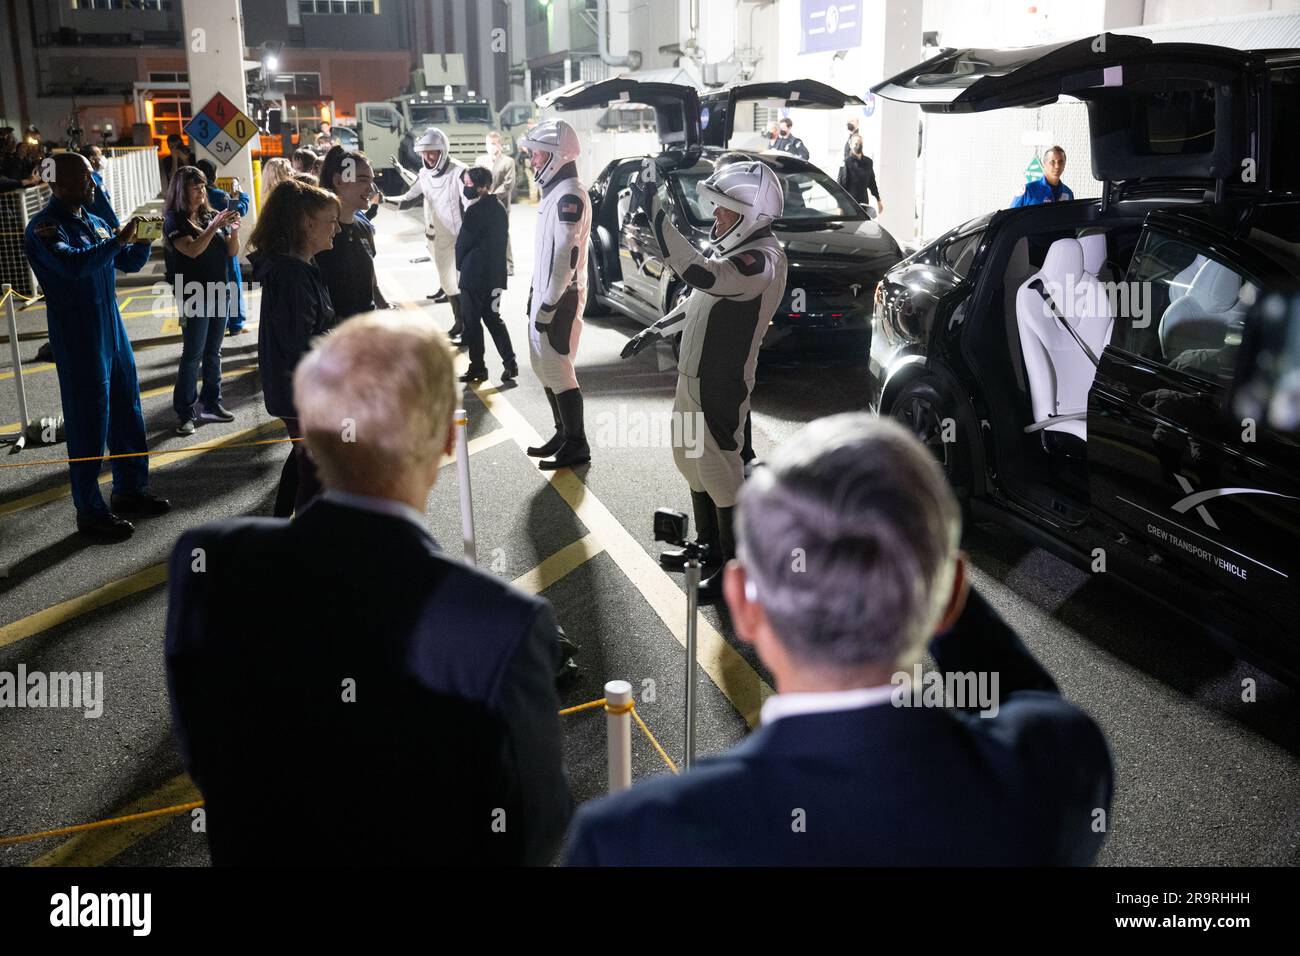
x,y
671,526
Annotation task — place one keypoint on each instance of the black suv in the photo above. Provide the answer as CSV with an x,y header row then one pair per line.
x,y
837,251
1100,427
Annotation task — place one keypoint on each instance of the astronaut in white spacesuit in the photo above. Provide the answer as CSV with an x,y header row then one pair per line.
x,y
735,291
439,183
559,290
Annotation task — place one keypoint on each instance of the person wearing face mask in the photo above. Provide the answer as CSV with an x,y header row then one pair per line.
x,y
439,183
735,290
787,142
481,263
298,222
858,175
348,266
502,167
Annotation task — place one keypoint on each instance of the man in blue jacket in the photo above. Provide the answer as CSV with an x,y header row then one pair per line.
x,y
219,199
861,760
74,254
1049,188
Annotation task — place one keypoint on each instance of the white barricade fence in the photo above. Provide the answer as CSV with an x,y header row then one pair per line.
x,y
16,210
132,177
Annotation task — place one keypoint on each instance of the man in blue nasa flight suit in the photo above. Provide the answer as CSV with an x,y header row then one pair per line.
x,y
73,254
1049,188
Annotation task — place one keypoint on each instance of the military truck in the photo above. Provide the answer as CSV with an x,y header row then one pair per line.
x,y
440,99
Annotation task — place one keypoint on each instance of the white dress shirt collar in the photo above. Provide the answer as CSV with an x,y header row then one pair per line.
x,y
384,506
822,702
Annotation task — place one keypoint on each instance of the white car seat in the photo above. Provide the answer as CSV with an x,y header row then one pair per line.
x,y
1200,319
1064,320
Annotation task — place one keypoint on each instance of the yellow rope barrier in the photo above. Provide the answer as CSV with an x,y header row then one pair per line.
x,y
629,707
18,295
100,824
653,742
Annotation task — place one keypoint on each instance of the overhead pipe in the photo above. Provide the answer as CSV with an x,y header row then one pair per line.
x,y
633,58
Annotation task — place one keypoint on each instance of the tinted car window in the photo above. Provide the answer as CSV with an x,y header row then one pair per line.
x,y
1182,308
1172,117
809,195
958,254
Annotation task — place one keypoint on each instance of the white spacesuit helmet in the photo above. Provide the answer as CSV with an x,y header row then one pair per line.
x,y
750,189
435,139
557,138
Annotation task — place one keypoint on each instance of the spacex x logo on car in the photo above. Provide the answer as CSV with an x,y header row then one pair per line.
x,y
1196,500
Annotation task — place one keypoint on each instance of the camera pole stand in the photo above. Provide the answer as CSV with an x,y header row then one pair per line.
x,y
692,612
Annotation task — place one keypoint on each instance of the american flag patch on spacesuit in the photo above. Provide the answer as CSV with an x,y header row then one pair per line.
x,y
570,209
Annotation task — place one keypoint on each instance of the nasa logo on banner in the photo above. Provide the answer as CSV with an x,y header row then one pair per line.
x,y
704,117
869,106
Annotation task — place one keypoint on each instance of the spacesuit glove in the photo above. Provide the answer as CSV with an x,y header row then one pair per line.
x,y
638,342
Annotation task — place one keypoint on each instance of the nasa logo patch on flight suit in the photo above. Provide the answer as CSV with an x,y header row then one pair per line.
x,y
103,232
46,230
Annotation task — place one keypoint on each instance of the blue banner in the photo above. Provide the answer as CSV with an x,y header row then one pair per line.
x,y
828,26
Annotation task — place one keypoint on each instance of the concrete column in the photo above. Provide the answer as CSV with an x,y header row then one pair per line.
x,y
214,55
893,28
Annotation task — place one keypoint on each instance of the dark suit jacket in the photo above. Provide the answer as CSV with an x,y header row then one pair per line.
x,y
450,752
882,785
481,246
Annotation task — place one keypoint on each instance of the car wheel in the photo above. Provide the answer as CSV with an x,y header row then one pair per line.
x,y
925,410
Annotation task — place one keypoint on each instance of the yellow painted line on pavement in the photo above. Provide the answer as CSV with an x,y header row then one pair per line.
x,y
568,558
97,847
38,367
157,461
733,675
226,376
495,437
65,611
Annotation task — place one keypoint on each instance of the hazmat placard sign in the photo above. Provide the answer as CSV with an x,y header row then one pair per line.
x,y
221,128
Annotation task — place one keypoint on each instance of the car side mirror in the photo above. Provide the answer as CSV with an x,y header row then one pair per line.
x,y
869,209
1266,383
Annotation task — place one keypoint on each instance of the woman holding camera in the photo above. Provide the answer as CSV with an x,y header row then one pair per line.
x,y
198,245
298,221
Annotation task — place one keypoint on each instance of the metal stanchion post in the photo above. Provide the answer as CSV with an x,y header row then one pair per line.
x,y
618,725
466,499
12,316
692,613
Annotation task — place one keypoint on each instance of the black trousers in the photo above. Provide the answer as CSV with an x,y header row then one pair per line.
x,y
299,483
477,309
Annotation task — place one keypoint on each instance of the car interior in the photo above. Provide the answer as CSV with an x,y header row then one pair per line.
x,y
1046,322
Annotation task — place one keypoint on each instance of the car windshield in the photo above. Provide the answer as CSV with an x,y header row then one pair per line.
x,y
809,195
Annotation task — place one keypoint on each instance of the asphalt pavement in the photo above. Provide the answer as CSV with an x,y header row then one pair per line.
x,y
1203,775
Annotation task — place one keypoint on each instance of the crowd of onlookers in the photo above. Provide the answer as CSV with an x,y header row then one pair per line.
x,y
20,161
385,703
